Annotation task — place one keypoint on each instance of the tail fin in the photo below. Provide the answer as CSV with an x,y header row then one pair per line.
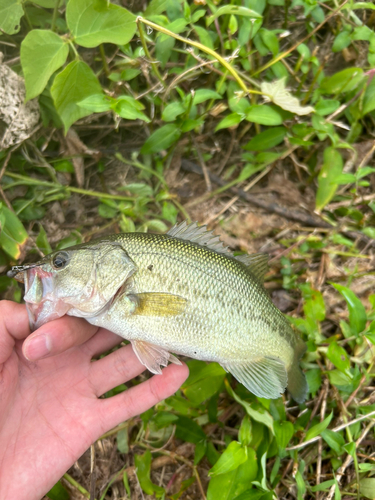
x,y
297,384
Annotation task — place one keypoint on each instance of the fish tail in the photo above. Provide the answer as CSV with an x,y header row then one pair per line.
x,y
297,384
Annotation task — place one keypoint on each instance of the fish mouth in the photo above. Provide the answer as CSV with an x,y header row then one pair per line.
x,y
44,304
41,304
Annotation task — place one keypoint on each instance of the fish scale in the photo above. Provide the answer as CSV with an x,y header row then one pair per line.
x,y
182,292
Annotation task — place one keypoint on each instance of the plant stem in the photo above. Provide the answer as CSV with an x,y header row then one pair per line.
x,y
154,65
74,483
203,48
104,60
28,181
54,16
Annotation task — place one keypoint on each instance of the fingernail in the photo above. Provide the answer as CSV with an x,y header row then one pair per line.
x,y
38,347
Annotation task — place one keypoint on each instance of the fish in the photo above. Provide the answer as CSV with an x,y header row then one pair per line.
x,y
182,292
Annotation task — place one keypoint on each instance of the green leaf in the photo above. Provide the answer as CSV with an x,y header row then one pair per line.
x,y
317,429
313,307
334,440
301,485
95,22
261,417
58,492
200,451
96,103
143,464
368,103
129,108
11,12
122,441
361,5
13,236
173,110
323,486
235,10
314,380
264,115
367,487
42,241
188,430
267,139
327,185
75,83
49,4
284,431
42,53
338,356
343,81
357,311
233,456
342,41
203,382
229,121
245,432
202,95
155,7
161,139
270,40
326,106
231,484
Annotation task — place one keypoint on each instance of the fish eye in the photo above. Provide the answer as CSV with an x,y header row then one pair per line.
x,y
60,260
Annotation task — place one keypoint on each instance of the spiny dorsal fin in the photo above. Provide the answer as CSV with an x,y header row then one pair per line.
x,y
265,377
198,234
257,264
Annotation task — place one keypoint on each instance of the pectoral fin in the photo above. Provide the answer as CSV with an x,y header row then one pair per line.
x,y
159,304
153,356
264,377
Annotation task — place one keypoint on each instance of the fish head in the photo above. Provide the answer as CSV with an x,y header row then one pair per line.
x,y
79,281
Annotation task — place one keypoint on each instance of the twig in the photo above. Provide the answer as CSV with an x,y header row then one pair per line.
x,y
246,188
203,165
320,446
306,219
199,483
367,156
336,429
362,381
341,470
92,472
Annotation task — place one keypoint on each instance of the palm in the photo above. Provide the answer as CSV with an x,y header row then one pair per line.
x,y
53,411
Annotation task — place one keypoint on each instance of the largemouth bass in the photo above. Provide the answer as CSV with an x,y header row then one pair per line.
x,y
180,292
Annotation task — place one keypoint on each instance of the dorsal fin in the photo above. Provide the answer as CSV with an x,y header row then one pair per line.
x,y
198,234
257,264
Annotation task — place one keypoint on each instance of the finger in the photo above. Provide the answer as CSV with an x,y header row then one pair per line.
x,y
136,400
14,324
57,336
114,369
103,341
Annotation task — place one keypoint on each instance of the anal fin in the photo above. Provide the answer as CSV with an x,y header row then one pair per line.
x,y
265,377
153,356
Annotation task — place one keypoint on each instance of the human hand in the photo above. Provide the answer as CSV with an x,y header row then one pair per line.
x,y
49,408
